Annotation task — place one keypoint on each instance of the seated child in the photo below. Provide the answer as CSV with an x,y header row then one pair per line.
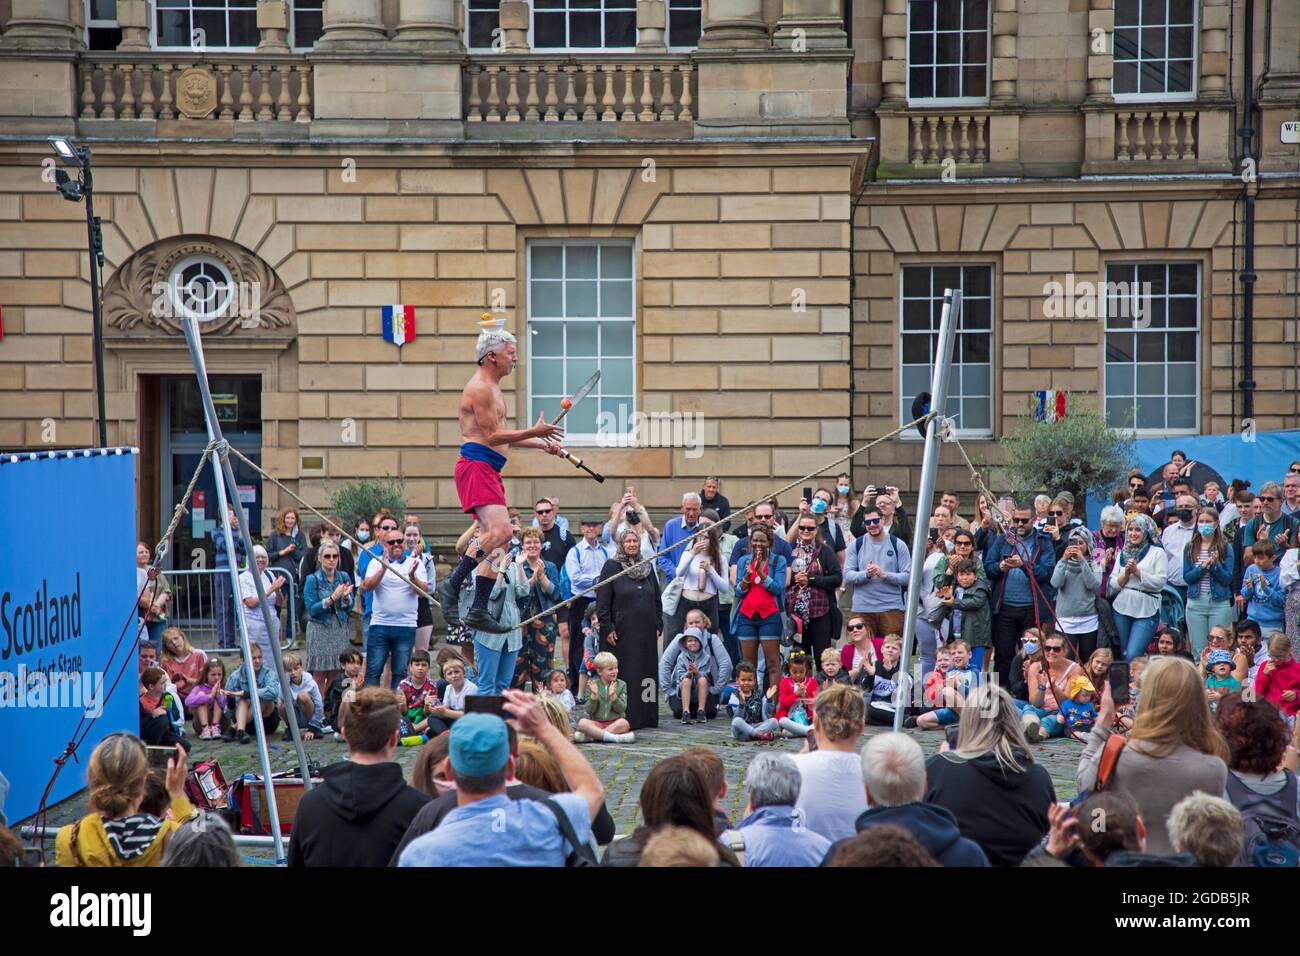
x,y
452,706
961,678
1278,680
687,671
937,679
239,698
419,698
1077,714
343,688
969,605
156,727
606,706
207,699
881,681
795,696
1265,599
557,682
1126,713
833,671
744,706
1220,682
308,707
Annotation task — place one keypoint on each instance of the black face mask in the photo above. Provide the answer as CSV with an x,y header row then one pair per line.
x,y
1184,514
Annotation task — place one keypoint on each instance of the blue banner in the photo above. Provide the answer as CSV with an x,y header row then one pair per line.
x,y
1257,457
67,587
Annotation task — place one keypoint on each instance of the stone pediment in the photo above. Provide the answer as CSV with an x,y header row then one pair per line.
x,y
234,294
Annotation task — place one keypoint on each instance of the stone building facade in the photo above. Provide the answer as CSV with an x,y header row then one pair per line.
x,y
742,219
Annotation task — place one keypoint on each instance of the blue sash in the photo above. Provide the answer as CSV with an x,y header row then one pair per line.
x,y
474,451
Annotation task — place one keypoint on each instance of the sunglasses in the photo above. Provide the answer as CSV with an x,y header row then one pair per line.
x,y
871,522
329,557
1020,520
1057,514
804,527
393,541
1268,498
1051,649
857,627
542,511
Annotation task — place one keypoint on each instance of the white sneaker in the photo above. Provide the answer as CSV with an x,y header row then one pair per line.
x,y
626,738
580,738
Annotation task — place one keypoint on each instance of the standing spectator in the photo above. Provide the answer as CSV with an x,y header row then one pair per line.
x,y
272,584
537,651
155,595
1206,562
1019,566
629,611
1177,536
383,524
362,807
627,513
814,576
702,573
1288,581
676,531
772,832
583,566
423,606
1261,588
1141,570
829,530
1262,784
764,514
1272,524
893,517
287,545
1108,541
845,505
831,796
760,579
952,501
711,497
311,560
487,828
1061,521
1077,580
727,597
556,545
1291,496
115,832
497,652
393,611
879,567
328,593
224,602
990,782
893,773
1172,751
675,793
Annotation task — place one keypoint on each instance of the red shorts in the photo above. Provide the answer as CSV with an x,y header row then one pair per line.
x,y
602,724
478,483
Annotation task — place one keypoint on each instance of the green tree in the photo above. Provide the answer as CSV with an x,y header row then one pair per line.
x,y
1080,453
362,499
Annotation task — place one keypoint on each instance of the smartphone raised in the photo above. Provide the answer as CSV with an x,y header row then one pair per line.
x,y
807,493
485,704
950,734
158,757
1118,679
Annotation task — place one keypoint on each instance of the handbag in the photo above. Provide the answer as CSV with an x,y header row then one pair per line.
x,y
672,595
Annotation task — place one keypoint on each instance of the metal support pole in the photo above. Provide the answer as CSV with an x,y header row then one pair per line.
x,y
951,318
222,473
94,242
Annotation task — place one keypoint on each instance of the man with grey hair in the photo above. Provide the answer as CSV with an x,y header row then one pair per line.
x,y
893,773
676,532
773,832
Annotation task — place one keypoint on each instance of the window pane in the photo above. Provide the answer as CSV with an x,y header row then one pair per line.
x,y
1182,413
1119,413
103,9
1125,80
920,49
1153,42
616,415
1153,11
1119,347
548,377
550,407
1150,379
1150,413
921,82
916,282
581,302
1126,44
977,281
916,314
1152,78
1182,278
579,370
616,262
481,26
1180,76
916,379
1119,379
173,28
1126,12
976,314
548,338
213,25
616,338
947,81
975,414
975,14
975,346
916,349
1182,378
616,375
976,379
548,262
1151,347
580,262
620,29
1180,43
948,48
973,81
1181,11
684,28
948,14
1153,275
243,28
1182,313
582,419
1182,346
616,298
1153,313
547,300
548,31
307,27
946,277
922,15
584,30
581,340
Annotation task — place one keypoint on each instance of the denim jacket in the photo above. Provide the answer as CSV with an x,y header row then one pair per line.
x,y
1220,577
317,588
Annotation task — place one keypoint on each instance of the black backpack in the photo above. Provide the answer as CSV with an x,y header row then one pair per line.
x,y
582,854
1272,836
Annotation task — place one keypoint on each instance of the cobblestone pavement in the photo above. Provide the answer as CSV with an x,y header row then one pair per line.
x,y
622,767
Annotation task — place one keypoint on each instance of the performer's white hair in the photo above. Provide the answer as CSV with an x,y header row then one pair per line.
x,y
490,340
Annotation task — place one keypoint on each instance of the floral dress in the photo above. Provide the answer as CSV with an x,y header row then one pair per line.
x,y
537,654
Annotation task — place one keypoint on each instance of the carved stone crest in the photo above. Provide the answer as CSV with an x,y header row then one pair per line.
x,y
196,92
230,290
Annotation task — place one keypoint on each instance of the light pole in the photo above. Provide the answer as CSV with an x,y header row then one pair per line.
x,y
83,187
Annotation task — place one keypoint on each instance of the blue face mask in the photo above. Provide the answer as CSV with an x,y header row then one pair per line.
x,y
1030,648
818,506
1206,530
843,489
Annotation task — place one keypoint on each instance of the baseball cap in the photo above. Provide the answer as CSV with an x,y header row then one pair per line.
x,y
480,745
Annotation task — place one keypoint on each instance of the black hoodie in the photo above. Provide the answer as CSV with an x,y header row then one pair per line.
x,y
1004,812
355,818
934,828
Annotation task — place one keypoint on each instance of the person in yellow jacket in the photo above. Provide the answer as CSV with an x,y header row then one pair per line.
x,y
115,832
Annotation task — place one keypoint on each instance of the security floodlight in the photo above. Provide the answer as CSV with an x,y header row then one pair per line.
x,y
67,151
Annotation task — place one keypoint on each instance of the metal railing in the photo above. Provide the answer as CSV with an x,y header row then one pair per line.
x,y
194,608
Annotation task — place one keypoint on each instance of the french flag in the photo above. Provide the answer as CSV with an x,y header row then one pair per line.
x,y
399,324
1049,406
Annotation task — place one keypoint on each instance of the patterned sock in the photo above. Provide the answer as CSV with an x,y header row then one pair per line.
x,y
482,590
463,567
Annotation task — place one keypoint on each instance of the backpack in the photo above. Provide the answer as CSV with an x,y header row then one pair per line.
x,y
1272,830
1171,608
582,854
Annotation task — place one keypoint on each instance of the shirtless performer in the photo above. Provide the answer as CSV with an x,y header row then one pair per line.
x,y
478,471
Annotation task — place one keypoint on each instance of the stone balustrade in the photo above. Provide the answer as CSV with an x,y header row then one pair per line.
x,y
962,137
591,89
1167,135
248,88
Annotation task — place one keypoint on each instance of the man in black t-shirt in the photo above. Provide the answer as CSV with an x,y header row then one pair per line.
x,y
710,497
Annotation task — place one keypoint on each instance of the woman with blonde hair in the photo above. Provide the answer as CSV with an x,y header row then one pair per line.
x,y
1173,750
116,832
184,664
286,546
990,782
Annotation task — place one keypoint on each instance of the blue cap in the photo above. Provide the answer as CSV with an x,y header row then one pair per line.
x,y
480,745
1219,657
